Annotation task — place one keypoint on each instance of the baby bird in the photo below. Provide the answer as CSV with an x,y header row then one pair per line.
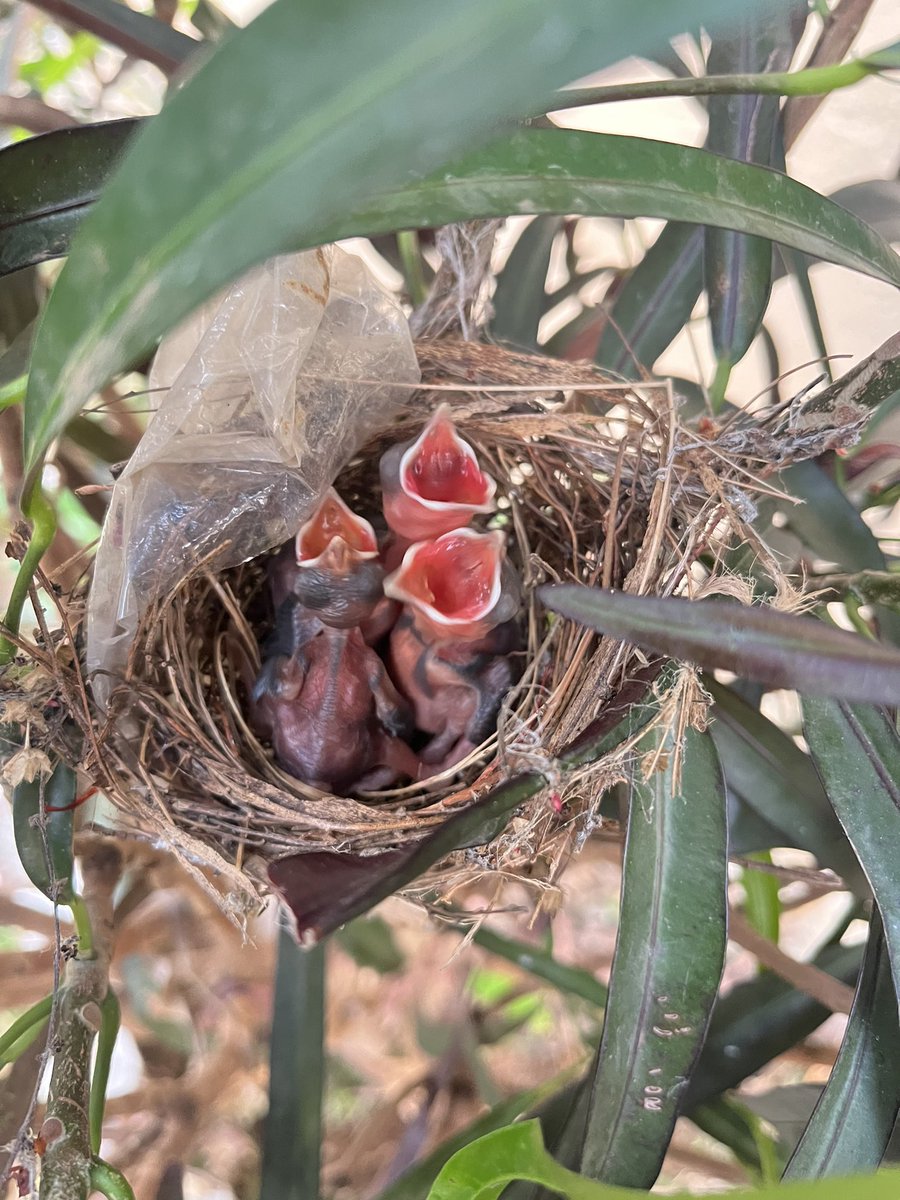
x,y
449,651
323,696
433,484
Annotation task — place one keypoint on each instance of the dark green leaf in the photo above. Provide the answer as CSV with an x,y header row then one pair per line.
x,y
542,964
852,1122
43,837
110,1019
772,775
118,293
337,101
520,299
370,943
862,389
771,647
737,1127
737,268
655,302
757,1021
670,951
47,184
827,522
138,35
292,1134
857,752
414,1184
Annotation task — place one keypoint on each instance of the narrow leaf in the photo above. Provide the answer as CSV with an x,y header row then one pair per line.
x,y
852,1123
137,272
292,1134
138,35
670,951
757,1021
655,302
573,980
48,183
337,100
737,268
44,837
520,299
771,647
772,775
857,752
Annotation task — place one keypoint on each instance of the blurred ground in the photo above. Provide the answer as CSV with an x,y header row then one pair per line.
x,y
405,1064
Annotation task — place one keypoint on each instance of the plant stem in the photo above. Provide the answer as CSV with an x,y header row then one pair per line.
x,y
69,1169
82,920
39,511
109,1031
109,1182
812,82
411,257
30,1020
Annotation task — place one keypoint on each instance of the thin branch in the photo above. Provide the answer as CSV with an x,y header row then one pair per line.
x,y
34,115
804,976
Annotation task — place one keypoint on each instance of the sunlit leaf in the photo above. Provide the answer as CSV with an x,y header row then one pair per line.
x,y
116,295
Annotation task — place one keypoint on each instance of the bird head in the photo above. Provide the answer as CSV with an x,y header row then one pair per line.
x,y
459,586
339,578
434,484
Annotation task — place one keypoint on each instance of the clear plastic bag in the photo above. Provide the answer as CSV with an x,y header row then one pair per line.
x,y
265,394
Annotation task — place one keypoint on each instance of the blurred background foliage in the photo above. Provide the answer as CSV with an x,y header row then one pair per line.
x,y
435,1036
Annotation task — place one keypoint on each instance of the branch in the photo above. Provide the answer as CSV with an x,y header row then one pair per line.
x,y
33,115
67,1163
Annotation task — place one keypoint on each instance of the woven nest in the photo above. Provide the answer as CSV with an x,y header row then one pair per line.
x,y
598,483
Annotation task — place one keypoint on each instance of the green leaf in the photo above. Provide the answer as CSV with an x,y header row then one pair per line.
x,y
857,752
827,522
337,100
771,647
761,903
655,302
877,202
758,1020
573,980
737,268
44,837
370,943
137,270
520,299
47,184
670,951
292,1134
772,775
110,1019
414,1183
853,1120
482,1170
737,1127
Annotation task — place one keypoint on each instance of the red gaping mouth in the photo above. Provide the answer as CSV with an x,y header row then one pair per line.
x,y
454,580
333,519
440,468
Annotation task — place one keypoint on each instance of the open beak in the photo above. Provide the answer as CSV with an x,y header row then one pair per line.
x,y
334,537
459,586
434,484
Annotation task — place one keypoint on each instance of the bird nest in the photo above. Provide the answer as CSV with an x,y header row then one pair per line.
x,y
597,482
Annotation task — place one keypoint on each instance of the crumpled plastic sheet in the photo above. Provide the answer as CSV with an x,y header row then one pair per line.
x,y
267,392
